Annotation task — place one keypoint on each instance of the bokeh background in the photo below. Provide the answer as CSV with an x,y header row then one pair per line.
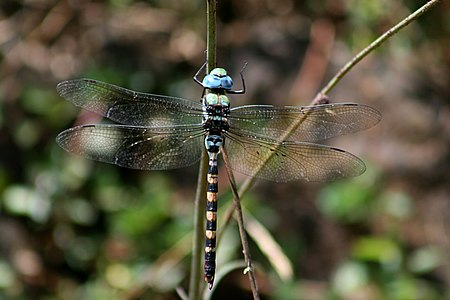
x,y
76,229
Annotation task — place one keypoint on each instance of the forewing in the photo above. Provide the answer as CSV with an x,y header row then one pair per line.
x,y
129,107
286,161
314,123
135,147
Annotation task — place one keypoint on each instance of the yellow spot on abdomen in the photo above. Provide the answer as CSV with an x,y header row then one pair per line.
x,y
211,196
210,249
211,216
210,234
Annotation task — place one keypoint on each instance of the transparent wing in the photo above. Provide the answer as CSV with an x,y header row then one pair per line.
x,y
316,123
287,161
130,107
135,147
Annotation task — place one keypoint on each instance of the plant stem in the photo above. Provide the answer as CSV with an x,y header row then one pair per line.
x,y
332,83
195,286
211,35
375,44
241,224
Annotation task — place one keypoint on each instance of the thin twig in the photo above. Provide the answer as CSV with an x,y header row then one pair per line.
x,y
195,286
375,44
246,185
211,47
241,225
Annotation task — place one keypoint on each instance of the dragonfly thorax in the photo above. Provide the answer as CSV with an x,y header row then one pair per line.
x,y
216,111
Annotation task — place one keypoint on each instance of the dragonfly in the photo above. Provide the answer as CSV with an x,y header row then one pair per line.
x,y
158,132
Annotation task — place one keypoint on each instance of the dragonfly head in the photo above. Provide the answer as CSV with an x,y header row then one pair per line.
x,y
217,79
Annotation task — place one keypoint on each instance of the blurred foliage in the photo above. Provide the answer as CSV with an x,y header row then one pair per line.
x,y
76,229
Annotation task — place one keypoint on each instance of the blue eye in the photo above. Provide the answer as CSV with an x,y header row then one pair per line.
x,y
211,82
226,82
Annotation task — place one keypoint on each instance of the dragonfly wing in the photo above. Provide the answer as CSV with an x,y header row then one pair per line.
x,y
129,107
135,147
287,161
314,123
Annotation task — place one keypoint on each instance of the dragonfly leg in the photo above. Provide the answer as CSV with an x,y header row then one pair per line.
x,y
241,91
198,81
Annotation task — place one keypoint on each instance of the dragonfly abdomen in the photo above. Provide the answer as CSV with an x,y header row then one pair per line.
x,y
211,225
213,143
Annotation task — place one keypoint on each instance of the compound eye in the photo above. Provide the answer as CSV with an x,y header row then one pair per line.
x,y
226,83
211,82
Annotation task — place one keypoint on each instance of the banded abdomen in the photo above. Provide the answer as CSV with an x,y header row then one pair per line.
x,y
213,144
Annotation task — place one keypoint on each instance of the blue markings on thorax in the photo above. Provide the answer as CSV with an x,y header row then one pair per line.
x,y
216,111
215,99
